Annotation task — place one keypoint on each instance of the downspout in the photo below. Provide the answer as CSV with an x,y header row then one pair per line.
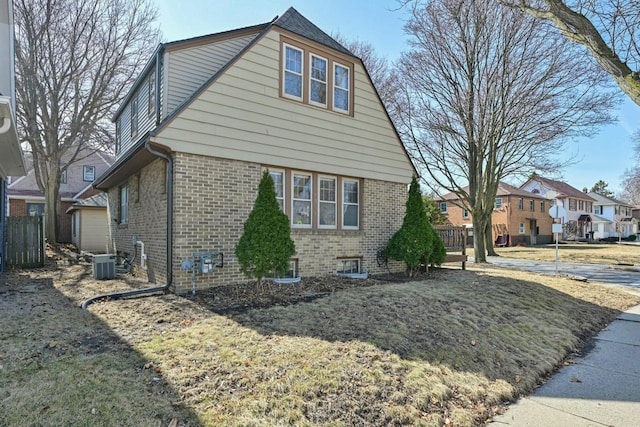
x,y
165,287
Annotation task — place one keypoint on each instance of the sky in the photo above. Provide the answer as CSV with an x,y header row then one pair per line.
x,y
604,156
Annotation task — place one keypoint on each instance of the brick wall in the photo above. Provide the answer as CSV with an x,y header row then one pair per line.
x,y
213,198
147,211
17,207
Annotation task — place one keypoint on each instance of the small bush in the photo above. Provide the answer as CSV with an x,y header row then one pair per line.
x,y
413,243
265,246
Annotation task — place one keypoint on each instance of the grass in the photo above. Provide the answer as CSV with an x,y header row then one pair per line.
x,y
587,253
447,350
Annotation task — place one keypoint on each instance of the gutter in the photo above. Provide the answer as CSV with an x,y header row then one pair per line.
x,y
154,289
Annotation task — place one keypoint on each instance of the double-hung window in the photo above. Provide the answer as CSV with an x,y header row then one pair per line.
x,y
443,207
532,205
465,213
293,67
350,204
318,81
341,88
327,203
278,183
520,203
124,205
498,203
88,173
301,201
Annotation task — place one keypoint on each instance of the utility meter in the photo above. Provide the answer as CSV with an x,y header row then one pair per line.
x,y
206,264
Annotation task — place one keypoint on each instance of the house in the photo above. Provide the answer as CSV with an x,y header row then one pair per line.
x,y
612,218
11,160
75,184
577,204
518,217
209,114
90,225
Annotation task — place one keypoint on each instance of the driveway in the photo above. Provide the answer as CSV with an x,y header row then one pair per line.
x,y
620,276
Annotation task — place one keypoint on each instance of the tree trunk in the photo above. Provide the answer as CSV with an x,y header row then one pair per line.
x,y
479,240
491,251
52,207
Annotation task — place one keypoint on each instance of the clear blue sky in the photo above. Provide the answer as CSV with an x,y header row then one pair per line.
x,y
604,156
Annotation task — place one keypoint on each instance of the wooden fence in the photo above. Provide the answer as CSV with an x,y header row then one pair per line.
x,y
25,241
455,240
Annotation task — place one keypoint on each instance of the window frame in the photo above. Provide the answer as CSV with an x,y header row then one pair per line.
x,y
358,262
40,208
573,204
532,205
346,204
123,204
313,55
134,116
443,204
542,206
496,204
465,213
85,170
285,70
522,228
294,223
279,199
334,87
322,178
151,93
63,177
520,203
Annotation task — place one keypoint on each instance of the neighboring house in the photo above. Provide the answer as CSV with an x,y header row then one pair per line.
x,y
518,217
11,159
612,218
90,225
75,184
577,222
208,115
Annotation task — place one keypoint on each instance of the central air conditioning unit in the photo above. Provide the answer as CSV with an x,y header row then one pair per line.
x,y
104,266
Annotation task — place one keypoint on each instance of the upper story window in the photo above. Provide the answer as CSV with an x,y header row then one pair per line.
x,y
443,207
573,203
520,203
151,104
532,205
498,203
465,213
341,76
542,206
581,205
63,177
589,207
88,173
293,72
318,81
316,78
598,210
350,205
134,117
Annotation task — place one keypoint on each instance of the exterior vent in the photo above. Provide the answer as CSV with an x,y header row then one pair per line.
x,y
104,266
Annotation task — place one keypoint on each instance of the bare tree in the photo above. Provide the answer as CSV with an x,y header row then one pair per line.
x,y
631,180
491,93
380,70
610,29
74,61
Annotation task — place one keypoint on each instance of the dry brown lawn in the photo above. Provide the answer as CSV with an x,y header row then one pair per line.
x,y
578,252
446,350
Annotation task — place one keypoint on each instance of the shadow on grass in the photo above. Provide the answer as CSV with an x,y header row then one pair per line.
x,y
60,365
493,325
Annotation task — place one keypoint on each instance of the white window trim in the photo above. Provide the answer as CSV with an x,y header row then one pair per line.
x,y
293,199
284,187
124,204
285,70
134,116
344,204
335,202
465,213
344,260
445,207
326,81
347,89
86,168
497,205
151,89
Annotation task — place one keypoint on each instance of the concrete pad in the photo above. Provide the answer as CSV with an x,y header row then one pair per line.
x,y
622,331
634,310
630,317
596,394
614,357
529,413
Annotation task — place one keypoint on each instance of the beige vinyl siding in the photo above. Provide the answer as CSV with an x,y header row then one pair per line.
x,y
241,116
146,122
188,69
94,230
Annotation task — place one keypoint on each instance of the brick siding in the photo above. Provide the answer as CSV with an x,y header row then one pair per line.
x,y
212,199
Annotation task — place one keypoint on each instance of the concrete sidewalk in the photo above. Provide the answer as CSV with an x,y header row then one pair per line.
x,y
601,389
